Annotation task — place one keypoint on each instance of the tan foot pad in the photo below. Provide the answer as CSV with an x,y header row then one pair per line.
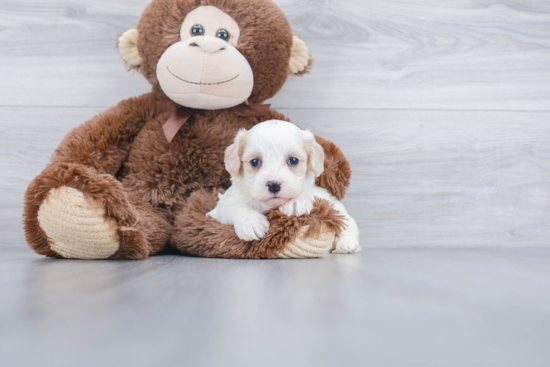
x,y
76,228
303,247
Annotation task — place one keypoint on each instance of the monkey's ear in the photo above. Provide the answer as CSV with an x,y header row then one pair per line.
x,y
300,61
234,152
127,45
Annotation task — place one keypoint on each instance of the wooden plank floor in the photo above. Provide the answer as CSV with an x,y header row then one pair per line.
x,y
443,110
398,54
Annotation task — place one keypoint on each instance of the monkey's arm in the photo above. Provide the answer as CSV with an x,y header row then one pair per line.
x,y
103,142
337,174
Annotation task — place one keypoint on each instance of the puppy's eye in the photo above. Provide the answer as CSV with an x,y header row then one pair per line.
x,y
197,30
293,161
222,34
255,163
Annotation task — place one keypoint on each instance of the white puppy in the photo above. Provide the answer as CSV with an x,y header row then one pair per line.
x,y
274,165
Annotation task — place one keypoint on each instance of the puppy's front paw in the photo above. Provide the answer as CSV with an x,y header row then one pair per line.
x,y
252,227
297,206
347,245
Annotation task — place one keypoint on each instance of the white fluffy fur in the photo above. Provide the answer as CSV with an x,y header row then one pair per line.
x,y
274,143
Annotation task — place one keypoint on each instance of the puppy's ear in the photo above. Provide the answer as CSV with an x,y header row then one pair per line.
x,y
315,153
234,152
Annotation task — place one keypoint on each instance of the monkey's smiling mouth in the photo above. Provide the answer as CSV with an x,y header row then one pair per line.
x,y
187,81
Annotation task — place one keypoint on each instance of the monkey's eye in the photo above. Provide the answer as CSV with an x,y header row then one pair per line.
x,y
293,161
222,34
197,30
255,163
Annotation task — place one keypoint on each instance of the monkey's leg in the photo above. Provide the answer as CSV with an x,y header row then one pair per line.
x,y
154,223
311,235
73,212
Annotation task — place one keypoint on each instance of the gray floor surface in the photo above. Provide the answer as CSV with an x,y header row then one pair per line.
x,y
381,307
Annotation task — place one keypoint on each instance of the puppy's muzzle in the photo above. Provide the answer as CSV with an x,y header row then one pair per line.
x,y
274,187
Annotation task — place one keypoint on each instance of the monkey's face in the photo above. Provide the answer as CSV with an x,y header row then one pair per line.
x,y
205,70
214,54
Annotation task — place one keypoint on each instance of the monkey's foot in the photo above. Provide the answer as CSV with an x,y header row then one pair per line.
x,y
304,247
77,227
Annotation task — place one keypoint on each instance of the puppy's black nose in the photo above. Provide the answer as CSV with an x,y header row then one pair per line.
x,y
274,186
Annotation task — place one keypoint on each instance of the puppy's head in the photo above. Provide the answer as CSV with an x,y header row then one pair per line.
x,y
275,161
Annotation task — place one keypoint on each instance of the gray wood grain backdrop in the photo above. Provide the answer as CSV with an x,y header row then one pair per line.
x,y
443,108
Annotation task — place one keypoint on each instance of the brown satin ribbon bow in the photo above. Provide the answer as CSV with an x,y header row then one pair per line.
x,y
182,114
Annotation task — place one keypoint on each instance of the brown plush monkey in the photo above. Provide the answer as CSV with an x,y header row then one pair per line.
x,y
139,177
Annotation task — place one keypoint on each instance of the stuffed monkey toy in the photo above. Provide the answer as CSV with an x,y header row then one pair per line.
x,y
140,177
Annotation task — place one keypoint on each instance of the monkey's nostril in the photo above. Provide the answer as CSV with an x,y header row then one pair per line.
x,y
193,44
